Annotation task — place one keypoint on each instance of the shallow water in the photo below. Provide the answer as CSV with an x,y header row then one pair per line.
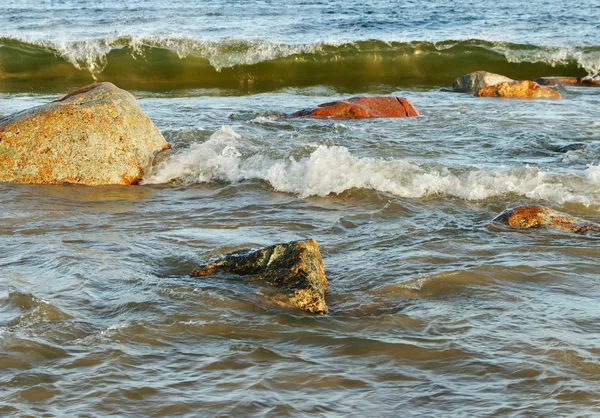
x,y
433,310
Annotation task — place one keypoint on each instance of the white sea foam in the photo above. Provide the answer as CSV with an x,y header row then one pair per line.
x,y
588,60
334,169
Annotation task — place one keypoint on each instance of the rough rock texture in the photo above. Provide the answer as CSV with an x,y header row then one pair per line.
x,y
296,268
473,82
568,81
539,216
95,135
362,107
525,89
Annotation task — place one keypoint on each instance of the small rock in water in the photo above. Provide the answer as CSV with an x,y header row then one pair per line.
x,y
568,81
571,147
525,89
539,216
95,135
473,82
590,82
361,107
558,81
295,268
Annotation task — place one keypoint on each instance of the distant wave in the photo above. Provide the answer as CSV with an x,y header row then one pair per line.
x,y
334,169
184,62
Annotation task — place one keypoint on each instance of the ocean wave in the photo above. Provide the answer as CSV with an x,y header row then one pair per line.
x,y
334,169
31,310
172,62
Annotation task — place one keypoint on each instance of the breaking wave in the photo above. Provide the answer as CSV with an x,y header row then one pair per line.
x,y
334,169
156,63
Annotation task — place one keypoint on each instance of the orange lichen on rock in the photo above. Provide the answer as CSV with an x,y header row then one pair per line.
x,y
295,268
95,135
525,89
540,216
362,107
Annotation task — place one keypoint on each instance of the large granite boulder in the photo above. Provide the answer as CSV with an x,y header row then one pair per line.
x,y
568,81
361,107
541,216
473,82
95,135
295,269
524,89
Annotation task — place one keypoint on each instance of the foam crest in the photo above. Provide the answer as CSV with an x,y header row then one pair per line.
x,y
588,59
334,169
187,56
217,158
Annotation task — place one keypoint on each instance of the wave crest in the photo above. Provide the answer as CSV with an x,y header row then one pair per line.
x,y
177,62
225,156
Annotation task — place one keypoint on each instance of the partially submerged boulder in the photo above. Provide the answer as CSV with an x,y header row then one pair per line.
x,y
295,268
568,81
524,89
473,82
540,216
95,135
361,107
578,146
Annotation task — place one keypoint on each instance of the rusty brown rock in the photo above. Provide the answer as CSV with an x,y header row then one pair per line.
x,y
295,268
95,135
541,216
361,107
473,82
568,81
525,89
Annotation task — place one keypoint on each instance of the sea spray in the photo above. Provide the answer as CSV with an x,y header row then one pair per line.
x,y
226,156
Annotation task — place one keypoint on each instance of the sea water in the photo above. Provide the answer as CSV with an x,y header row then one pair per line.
x,y
434,310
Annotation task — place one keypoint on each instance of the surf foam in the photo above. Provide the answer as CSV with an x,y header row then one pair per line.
x,y
225,156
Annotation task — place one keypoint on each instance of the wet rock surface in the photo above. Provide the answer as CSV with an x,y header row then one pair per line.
x,y
296,269
525,89
95,135
361,107
568,81
571,147
473,82
541,216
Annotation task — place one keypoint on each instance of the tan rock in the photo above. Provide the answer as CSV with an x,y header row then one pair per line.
x,y
540,216
473,82
95,135
558,81
525,89
295,268
568,81
362,107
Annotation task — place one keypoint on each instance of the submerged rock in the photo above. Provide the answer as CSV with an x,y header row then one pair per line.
x,y
571,147
295,268
361,107
539,216
95,135
568,81
473,82
524,89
